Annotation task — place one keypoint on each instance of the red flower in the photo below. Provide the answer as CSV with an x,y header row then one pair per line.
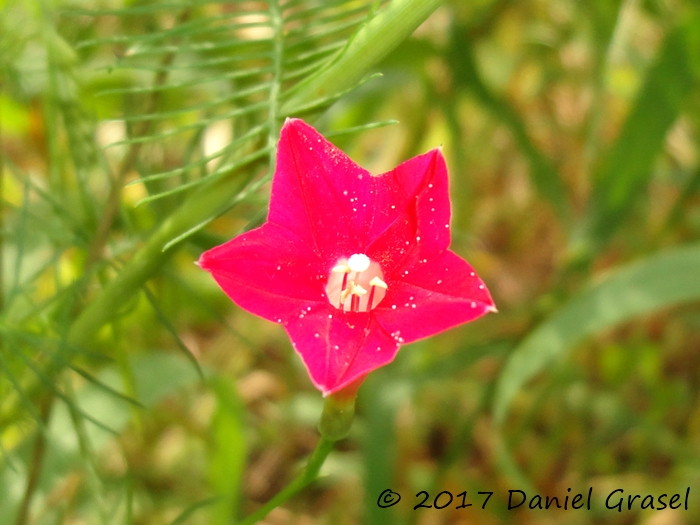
x,y
351,264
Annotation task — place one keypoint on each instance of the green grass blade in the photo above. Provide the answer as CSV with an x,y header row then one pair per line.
x,y
629,166
227,455
543,173
189,511
650,285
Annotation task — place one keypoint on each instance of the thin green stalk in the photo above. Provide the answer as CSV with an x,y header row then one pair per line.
x,y
334,425
2,217
37,462
277,24
92,478
316,460
117,183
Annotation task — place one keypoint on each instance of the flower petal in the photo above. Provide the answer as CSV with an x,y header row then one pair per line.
x,y
268,271
413,216
433,297
337,347
319,193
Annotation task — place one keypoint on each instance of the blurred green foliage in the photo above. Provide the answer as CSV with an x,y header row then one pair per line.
x,y
136,134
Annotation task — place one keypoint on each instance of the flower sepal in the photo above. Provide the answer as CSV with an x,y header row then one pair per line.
x,y
339,411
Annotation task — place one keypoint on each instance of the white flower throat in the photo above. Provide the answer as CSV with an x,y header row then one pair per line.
x,y
356,284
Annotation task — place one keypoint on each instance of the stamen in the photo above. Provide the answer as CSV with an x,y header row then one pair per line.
x,y
349,281
344,269
345,292
376,281
357,292
341,268
343,288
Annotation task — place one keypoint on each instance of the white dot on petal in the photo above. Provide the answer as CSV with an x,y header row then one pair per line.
x,y
317,336
345,193
472,274
413,306
393,307
473,304
430,185
481,287
439,281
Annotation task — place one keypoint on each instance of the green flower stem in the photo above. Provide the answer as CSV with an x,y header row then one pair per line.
x,y
318,456
335,423
375,40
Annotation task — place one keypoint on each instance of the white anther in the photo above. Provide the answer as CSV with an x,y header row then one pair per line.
x,y
358,262
352,289
376,281
344,294
341,268
358,290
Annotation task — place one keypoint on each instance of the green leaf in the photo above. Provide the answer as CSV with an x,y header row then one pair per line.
x,y
650,285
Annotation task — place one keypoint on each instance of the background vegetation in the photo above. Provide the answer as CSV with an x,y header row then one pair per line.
x,y
136,134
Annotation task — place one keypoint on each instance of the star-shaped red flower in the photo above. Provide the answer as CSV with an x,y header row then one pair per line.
x,y
351,264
